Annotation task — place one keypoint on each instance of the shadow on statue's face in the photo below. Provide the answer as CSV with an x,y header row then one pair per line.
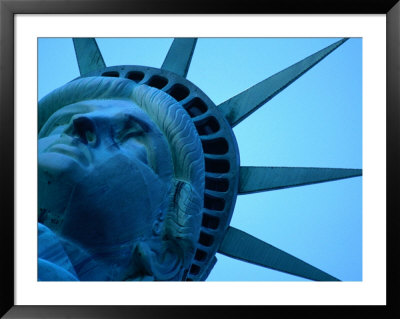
x,y
105,172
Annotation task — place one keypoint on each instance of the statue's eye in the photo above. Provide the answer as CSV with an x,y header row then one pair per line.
x,y
132,132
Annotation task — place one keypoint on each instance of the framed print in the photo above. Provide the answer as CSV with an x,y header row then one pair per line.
x,y
108,57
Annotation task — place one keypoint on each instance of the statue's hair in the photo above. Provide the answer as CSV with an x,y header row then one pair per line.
x,y
175,123
183,220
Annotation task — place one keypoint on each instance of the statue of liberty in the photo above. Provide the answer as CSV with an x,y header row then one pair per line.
x,y
139,170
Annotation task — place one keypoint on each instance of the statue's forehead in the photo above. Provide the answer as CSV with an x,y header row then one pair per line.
x,y
112,108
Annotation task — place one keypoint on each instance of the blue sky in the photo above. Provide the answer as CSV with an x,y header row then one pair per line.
x,y
315,122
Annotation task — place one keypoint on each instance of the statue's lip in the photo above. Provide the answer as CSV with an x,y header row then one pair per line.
x,y
73,151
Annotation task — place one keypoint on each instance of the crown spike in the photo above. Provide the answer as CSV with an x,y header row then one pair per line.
x,y
237,108
259,179
179,56
240,245
88,55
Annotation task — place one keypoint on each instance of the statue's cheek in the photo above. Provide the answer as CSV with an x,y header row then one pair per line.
x,y
135,149
114,203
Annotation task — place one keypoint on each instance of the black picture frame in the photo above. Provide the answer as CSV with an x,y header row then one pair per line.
x,y
8,10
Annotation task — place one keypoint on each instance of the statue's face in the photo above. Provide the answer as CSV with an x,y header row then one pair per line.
x,y
105,171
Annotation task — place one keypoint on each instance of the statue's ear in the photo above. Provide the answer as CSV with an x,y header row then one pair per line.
x,y
153,260
166,265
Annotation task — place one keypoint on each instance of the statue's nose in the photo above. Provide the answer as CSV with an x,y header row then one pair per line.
x,y
85,129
